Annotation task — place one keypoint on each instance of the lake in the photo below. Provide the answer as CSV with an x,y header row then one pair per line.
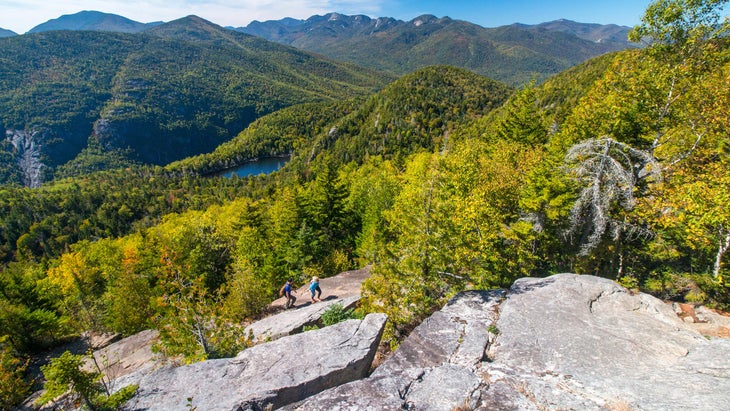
x,y
253,168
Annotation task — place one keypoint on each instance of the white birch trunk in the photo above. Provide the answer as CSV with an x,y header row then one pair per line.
x,y
724,245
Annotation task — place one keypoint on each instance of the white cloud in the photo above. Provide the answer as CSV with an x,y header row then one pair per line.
x,y
21,16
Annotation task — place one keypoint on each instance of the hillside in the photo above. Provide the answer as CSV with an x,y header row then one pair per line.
x,y
414,113
513,54
179,90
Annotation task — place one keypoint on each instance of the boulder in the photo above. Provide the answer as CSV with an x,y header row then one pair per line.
x,y
267,375
562,342
434,368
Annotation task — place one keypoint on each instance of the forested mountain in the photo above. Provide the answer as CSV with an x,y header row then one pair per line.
x,y
93,20
178,90
441,181
513,54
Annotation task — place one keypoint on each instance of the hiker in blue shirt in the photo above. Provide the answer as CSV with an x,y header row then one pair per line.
x,y
290,299
314,287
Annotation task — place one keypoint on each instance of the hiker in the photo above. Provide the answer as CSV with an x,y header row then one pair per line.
x,y
290,299
314,286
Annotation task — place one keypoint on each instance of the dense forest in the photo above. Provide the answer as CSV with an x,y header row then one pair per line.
x,y
442,181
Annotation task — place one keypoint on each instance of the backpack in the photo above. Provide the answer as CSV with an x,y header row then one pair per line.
x,y
281,292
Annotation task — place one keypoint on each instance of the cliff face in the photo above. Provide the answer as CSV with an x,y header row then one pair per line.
x,y
27,152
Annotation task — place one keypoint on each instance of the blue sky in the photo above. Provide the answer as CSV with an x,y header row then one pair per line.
x,y
22,15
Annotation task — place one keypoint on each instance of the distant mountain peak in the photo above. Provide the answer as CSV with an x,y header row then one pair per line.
x,y
92,20
598,33
424,19
189,27
193,17
7,33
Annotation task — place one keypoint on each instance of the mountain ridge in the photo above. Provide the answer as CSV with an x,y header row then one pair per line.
x,y
530,52
515,54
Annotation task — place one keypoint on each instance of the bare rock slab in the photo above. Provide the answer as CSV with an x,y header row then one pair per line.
x,y
127,355
271,374
433,369
292,321
583,342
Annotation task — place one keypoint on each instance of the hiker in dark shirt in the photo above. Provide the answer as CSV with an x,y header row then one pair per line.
x,y
288,293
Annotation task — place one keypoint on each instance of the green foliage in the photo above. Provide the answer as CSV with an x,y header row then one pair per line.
x,y
632,283
373,187
64,374
454,225
94,158
191,325
185,318
712,291
45,221
195,258
288,130
522,120
336,313
129,286
117,399
415,113
658,102
29,319
681,23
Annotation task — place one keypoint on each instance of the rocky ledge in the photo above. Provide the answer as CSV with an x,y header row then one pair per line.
x,y
565,342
